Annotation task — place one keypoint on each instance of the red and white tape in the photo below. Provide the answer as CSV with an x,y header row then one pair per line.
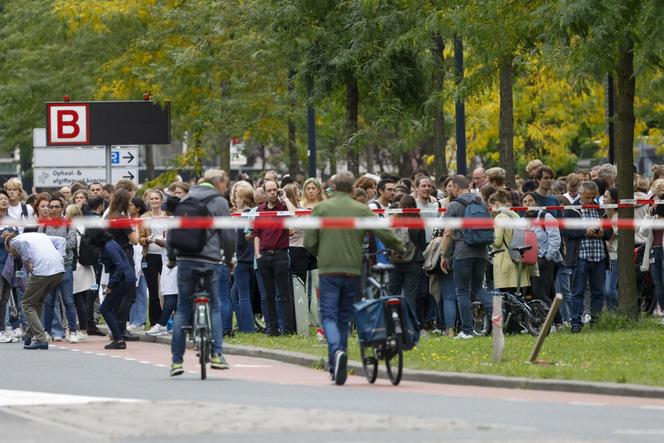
x,y
361,223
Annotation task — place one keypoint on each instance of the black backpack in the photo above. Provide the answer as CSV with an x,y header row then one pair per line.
x,y
89,250
186,240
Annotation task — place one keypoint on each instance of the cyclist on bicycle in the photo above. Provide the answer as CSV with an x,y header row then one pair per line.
x,y
220,244
339,253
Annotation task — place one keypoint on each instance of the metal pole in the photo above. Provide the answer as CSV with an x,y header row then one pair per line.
x,y
109,177
609,114
311,130
460,109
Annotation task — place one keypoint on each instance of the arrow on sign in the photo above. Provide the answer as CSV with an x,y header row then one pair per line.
x,y
129,175
129,157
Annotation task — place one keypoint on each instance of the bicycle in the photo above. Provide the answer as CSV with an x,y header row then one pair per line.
x,y
519,314
383,333
200,332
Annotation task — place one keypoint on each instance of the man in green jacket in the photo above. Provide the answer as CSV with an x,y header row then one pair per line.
x,y
339,253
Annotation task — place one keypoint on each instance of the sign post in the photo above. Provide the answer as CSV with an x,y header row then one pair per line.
x,y
109,164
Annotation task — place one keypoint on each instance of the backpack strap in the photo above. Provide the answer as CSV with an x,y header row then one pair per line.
x,y
24,210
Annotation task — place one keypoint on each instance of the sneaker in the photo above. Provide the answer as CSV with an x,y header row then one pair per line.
x,y
82,335
157,330
586,319
128,336
218,362
73,338
36,345
576,329
132,327
116,344
176,369
18,332
340,367
6,337
463,336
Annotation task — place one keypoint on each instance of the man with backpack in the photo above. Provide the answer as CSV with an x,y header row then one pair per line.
x,y
198,250
470,251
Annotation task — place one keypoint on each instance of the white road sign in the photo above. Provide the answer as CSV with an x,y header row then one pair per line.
x,y
63,176
86,157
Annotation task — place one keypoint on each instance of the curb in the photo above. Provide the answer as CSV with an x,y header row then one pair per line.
x,y
452,378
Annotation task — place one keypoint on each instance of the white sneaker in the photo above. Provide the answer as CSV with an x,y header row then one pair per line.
x,y
158,330
73,338
6,337
463,336
82,335
18,332
58,338
132,327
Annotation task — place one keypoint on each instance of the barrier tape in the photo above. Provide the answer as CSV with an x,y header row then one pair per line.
x,y
624,204
361,223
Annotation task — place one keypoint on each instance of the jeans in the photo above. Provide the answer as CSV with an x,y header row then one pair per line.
x,y
595,273
5,293
66,290
564,287
241,293
151,273
611,286
337,295
187,282
406,277
139,310
657,273
261,290
170,303
448,300
468,278
110,309
278,298
225,304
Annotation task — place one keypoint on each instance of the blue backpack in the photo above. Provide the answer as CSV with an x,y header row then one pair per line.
x,y
476,237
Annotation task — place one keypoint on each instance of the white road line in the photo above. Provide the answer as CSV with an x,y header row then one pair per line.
x,y
130,359
75,350
160,366
652,407
26,398
88,352
520,400
100,354
143,362
582,403
115,356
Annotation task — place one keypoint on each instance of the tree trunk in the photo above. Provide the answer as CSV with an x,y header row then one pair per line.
x,y
507,121
293,160
149,162
371,155
438,79
352,104
225,153
626,86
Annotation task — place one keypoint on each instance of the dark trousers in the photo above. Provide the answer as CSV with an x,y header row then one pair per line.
x,y
128,299
80,300
542,286
407,277
274,272
151,273
111,309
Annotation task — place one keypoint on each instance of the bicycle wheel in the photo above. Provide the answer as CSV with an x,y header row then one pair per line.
x,y
481,320
203,352
394,373
369,363
535,321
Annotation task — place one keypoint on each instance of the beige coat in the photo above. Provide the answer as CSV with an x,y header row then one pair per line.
x,y
504,269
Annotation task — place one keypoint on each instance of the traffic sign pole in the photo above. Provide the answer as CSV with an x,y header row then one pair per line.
x,y
109,160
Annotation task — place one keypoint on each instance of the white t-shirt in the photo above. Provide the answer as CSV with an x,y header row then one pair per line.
x,y
44,252
16,212
168,283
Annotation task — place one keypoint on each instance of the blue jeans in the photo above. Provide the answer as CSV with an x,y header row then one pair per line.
x,y
66,290
187,281
468,278
657,273
337,295
595,273
225,304
564,287
448,300
611,286
240,294
139,310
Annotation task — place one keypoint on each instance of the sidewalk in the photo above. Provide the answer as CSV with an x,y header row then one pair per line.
x,y
454,378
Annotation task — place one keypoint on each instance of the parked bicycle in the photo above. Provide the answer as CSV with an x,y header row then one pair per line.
x,y
386,324
521,315
200,332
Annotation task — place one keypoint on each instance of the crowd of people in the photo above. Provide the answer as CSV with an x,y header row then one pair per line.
x,y
135,281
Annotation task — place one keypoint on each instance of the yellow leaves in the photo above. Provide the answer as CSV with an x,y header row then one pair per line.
x,y
95,13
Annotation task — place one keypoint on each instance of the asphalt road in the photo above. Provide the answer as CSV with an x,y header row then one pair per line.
x,y
74,392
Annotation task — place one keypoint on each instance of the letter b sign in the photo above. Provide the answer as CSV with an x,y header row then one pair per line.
x,y
68,124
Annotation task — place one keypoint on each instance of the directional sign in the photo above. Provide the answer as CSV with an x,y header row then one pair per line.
x,y
121,156
58,176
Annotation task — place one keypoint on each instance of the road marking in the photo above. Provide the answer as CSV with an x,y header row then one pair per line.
x,y
143,362
100,354
160,366
115,356
130,359
88,352
582,403
520,400
251,366
75,350
639,432
30,398
653,407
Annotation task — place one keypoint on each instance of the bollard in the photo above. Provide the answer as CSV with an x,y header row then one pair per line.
x,y
546,327
497,328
